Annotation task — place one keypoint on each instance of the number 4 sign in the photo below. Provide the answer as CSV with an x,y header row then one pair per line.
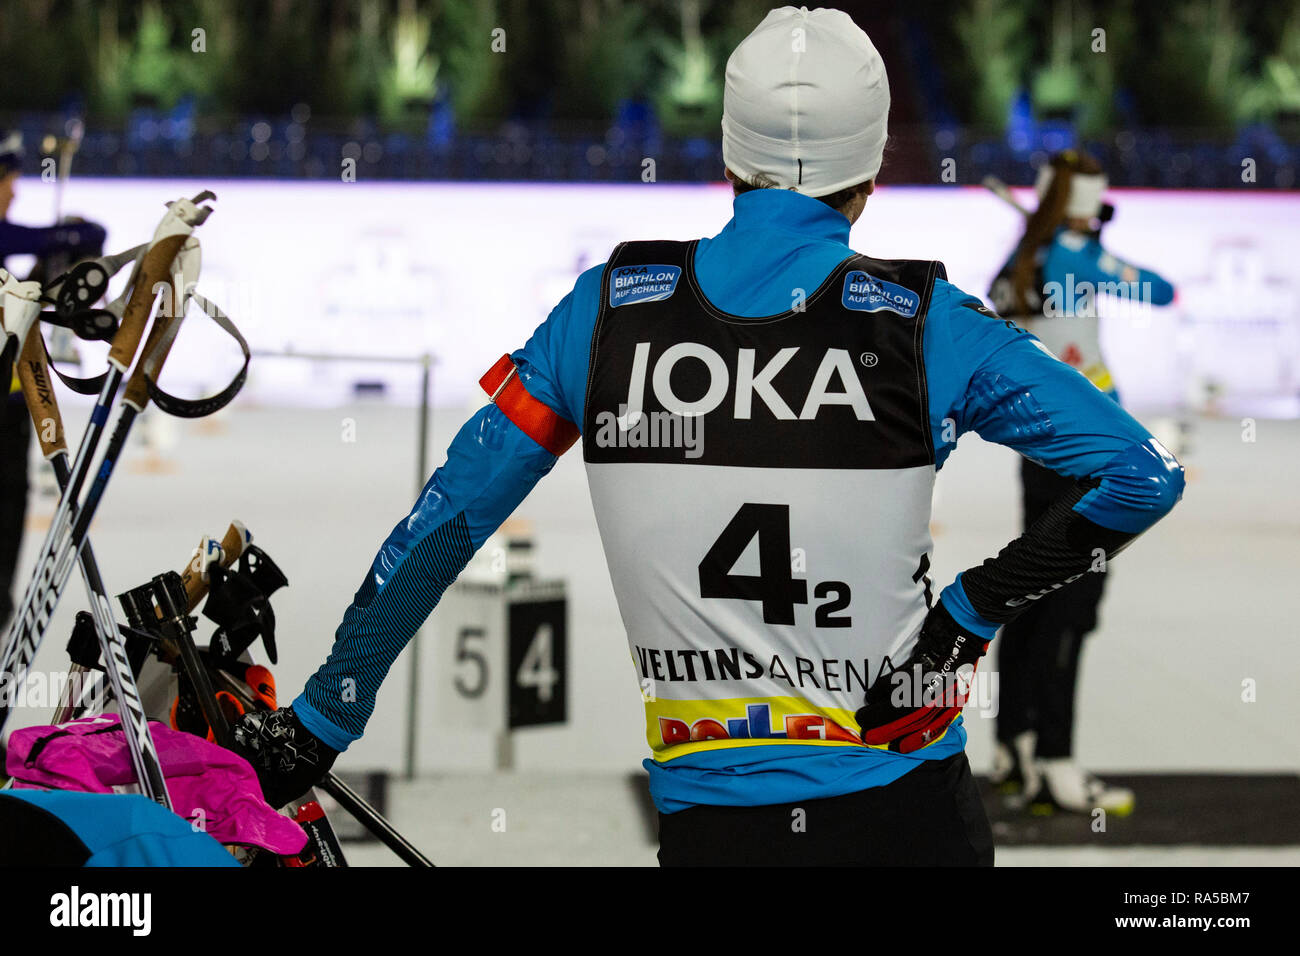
x,y
537,662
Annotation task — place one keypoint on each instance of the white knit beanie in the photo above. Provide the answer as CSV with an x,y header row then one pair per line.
x,y
806,103
1085,191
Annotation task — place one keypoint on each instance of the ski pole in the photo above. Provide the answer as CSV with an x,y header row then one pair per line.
x,y
210,551
347,798
224,552
33,374
194,581
1000,189
74,129
181,643
68,528
372,820
55,563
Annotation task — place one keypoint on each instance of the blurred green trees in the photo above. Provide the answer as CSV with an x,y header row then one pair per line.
x,y
1190,63
991,59
1197,64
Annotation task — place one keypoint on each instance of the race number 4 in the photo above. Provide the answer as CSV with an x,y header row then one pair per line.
x,y
775,585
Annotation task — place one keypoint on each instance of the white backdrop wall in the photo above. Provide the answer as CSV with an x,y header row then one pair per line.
x,y
1191,615
468,270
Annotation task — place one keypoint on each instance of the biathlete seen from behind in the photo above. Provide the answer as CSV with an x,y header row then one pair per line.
x,y
823,389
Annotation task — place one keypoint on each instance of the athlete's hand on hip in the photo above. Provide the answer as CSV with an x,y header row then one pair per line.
x,y
289,758
910,707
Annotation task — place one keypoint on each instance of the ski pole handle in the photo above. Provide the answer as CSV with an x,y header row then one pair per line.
x,y
34,376
195,575
182,271
156,349
20,312
157,266
154,269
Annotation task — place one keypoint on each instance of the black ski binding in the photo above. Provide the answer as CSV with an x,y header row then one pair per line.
x,y
83,645
165,593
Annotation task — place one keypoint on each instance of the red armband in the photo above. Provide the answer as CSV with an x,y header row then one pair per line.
x,y
535,419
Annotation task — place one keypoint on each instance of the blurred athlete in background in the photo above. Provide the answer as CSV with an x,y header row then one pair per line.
x,y
1050,285
71,241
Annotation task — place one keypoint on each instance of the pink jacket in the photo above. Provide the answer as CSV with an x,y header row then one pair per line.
x,y
213,788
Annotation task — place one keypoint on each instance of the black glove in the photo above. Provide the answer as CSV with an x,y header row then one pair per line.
x,y
289,758
910,707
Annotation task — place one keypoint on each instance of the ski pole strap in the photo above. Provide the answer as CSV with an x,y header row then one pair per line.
x,y
143,384
200,407
75,291
535,419
86,282
89,325
82,386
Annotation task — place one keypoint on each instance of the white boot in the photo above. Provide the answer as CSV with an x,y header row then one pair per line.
x,y
1064,785
1014,773
1025,744
1006,771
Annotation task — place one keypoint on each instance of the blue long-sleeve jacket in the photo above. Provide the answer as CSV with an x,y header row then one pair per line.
x,y
1071,272
16,240
983,375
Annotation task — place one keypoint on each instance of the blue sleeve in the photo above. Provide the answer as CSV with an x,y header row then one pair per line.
x,y
16,240
988,376
1083,258
491,467
553,364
